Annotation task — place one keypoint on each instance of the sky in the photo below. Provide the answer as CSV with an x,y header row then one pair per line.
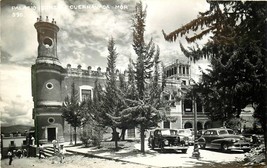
x,y
85,28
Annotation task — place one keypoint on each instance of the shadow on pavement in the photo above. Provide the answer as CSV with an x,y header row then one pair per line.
x,y
227,152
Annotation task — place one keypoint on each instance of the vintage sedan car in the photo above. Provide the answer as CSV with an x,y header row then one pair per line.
x,y
187,133
167,139
223,139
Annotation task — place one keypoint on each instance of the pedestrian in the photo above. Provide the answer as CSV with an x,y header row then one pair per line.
x,y
24,153
10,156
54,142
41,151
19,153
255,140
61,153
28,144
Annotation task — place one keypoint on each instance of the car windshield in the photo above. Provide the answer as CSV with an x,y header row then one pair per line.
x,y
185,131
169,132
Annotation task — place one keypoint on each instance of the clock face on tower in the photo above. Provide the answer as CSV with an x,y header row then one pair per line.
x,y
47,42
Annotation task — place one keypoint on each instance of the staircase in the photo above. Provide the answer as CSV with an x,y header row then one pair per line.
x,y
49,152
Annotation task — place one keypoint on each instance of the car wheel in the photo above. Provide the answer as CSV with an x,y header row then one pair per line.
x,y
184,150
202,146
224,147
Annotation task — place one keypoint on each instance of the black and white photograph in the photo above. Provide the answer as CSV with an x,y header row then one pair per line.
x,y
133,83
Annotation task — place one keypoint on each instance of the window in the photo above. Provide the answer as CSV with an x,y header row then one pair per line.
x,y
187,105
183,82
131,133
183,70
213,132
86,94
207,133
230,131
51,120
199,105
12,143
48,42
221,132
49,85
166,124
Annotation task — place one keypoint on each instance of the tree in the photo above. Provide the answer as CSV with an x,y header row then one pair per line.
x,y
72,110
95,106
93,114
237,49
123,87
113,100
140,110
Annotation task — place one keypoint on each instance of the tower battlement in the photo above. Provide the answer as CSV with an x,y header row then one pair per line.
x,y
87,72
40,19
47,39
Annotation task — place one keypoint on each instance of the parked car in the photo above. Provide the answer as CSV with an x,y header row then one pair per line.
x,y
223,139
200,133
167,139
187,133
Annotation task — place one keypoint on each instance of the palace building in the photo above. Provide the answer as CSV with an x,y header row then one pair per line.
x,y
51,84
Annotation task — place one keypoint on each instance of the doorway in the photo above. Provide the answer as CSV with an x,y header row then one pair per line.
x,y
51,134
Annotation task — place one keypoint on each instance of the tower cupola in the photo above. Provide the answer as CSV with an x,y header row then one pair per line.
x,y
47,39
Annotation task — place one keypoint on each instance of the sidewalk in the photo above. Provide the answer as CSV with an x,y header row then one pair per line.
x,y
153,158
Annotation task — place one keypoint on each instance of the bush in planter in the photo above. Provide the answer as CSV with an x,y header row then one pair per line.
x,y
96,141
86,140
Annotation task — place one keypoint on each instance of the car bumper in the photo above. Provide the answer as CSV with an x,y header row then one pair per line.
x,y
176,147
239,147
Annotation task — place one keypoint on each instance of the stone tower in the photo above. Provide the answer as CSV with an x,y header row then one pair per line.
x,y
46,84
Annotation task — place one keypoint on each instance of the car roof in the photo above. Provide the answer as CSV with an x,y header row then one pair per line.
x,y
218,129
185,129
163,129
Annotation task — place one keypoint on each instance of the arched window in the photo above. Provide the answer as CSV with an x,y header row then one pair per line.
x,y
188,125
199,126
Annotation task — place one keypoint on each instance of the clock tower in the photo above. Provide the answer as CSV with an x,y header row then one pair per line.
x,y
46,84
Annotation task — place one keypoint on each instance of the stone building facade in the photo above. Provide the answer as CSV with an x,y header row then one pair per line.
x,y
51,84
181,114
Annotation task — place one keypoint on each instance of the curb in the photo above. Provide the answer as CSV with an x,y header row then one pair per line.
x,y
107,158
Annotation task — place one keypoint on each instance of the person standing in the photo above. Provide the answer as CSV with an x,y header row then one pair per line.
x,y
61,153
41,151
27,142
19,153
24,153
54,142
10,156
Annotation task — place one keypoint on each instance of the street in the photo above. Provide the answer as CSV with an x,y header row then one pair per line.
x,y
151,159
175,159
130,158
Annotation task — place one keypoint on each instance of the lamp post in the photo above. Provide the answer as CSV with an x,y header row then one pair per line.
x,y
196,153
75,123
71,136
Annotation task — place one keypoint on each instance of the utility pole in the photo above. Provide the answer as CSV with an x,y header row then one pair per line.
x,y
75,128
71,135
195,153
